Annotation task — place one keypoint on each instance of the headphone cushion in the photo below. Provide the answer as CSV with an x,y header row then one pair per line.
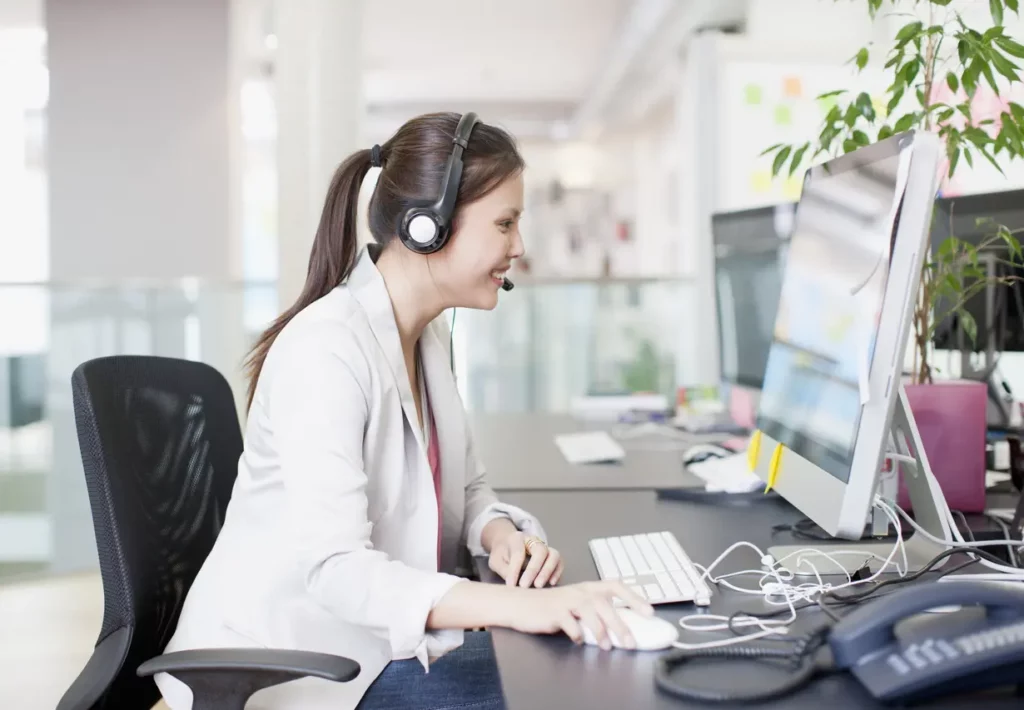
x,y
422,229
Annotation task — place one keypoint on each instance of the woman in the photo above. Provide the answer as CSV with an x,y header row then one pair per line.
x,y
358,486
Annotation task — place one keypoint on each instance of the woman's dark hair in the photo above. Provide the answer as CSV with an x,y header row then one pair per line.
x,y
413,165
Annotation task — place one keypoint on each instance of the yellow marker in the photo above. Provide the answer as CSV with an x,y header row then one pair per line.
x,y
773,467
753,449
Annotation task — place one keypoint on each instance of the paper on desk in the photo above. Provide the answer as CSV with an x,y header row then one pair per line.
x,y
589,447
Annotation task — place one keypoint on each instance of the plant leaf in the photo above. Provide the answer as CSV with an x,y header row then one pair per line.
x,y
895,99
1011,241
884,132
1018,112
910,70
1005,67
952,82
948,247
1010,46
769,149
780,159
905,122
996,8
908,31
1014,6
986,69
830,94
862,58
954,160
850,145
967,323
798,156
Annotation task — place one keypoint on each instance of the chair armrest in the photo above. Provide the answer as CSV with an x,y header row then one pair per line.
x,y
224,678
229,660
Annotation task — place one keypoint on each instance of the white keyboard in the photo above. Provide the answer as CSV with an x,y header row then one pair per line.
x,y
729,473
653,565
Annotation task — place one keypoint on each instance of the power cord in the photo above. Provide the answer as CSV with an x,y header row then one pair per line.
x,y
801,657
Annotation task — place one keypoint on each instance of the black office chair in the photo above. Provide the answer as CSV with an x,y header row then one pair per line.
x,y
160,445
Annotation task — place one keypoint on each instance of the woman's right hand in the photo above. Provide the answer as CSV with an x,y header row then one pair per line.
x,y
548,611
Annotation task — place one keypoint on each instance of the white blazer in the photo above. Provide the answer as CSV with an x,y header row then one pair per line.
x,y
330,539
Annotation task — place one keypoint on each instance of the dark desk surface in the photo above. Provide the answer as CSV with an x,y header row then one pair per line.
x,y
550,671
520,454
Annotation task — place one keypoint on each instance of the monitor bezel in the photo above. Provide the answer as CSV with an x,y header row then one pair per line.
x,y
842,508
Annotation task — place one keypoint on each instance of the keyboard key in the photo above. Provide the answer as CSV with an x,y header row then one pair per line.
x,y
635,556
667,585
606,567
621,559
639,590
667,558
653,562
654,592
682,581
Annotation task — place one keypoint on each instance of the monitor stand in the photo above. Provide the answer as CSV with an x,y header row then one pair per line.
x,y
925,496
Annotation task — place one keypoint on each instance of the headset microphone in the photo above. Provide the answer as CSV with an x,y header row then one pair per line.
x,y
507,285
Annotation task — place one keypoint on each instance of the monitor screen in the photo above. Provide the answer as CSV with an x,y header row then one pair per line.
x,y
999,315
750,251
831,300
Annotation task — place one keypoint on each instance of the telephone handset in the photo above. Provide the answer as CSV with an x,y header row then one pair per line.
x,y
987,653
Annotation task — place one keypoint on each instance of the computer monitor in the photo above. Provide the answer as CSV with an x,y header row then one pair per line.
x,y
997,311
832,382
750,250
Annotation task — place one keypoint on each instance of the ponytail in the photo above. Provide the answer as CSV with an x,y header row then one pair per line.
x,y
331,259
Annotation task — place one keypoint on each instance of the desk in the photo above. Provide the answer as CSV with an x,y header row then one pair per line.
x,y
520,454
550,671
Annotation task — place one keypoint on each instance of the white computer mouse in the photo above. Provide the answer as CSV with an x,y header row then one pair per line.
x,y
649,632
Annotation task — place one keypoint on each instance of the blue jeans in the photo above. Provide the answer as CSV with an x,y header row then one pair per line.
x,y
466,678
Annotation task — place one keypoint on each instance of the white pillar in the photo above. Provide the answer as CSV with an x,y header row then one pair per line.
x,y
697,108
140,122
318,77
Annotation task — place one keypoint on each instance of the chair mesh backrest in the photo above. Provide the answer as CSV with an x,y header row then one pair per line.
x,y
160,444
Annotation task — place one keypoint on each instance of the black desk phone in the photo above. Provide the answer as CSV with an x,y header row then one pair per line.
x,y
949,657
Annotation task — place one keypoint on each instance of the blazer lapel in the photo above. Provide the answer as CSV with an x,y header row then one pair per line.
x,y
451,434
367,286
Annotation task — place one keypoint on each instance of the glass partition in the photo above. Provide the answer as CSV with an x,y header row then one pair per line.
x,y
545,343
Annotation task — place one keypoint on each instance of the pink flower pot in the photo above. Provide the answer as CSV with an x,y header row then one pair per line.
x,y
951,419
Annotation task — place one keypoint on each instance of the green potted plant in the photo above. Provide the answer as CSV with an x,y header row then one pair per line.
x,y
937,63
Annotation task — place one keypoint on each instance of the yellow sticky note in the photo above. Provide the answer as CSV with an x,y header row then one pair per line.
x,y
879,105
773,467
761,181
783,115
754,448
752,94
792,87
792,187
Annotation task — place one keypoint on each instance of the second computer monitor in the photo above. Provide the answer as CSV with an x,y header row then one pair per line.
x,y
750,251
845,311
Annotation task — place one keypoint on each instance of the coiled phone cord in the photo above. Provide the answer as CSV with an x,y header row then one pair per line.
x,y
803,658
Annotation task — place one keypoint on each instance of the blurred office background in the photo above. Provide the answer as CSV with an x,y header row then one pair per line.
x,y
163,162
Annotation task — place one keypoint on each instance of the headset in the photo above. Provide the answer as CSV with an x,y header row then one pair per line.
x,y
426,229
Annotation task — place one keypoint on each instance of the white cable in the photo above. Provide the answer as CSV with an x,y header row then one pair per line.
x,y
778,591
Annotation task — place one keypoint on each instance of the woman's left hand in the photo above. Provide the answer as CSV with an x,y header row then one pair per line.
x,y
543,564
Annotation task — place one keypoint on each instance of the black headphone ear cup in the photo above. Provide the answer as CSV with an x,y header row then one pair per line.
x,y
422,232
